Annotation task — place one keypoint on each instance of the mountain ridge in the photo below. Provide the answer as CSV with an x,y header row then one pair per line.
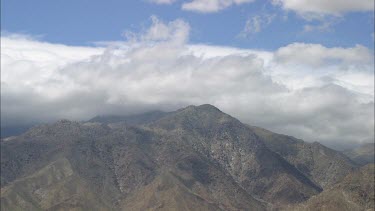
x,y
215,161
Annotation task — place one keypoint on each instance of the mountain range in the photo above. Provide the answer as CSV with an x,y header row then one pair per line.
x,y
195,158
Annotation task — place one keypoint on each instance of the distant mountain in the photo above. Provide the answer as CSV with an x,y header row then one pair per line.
x,y
354,192
363,154
196,158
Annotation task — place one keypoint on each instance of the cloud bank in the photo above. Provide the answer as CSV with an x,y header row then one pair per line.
x,y
306,90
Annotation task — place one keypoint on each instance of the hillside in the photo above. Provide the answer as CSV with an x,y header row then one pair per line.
x,y
321,164
354,192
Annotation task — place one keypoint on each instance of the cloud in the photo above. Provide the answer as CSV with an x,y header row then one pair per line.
x,y
176,31
325,25
162,1
306,90
210,6
318,55
322,7
302,65
255,24
324,13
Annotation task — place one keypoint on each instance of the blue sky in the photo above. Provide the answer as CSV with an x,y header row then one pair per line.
x,y
82,22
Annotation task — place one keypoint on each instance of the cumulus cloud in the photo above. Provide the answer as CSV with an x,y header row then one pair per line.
x,y
331,7
209,6
307,90
176,31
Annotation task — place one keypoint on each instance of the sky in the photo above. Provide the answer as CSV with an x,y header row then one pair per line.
x,y
261,24
303,68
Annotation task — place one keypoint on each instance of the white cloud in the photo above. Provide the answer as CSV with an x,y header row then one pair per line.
x,y
27,62
318,55
304,65
325,13
162,1
307,90
175,31
256,24
325,25
324,7
209,6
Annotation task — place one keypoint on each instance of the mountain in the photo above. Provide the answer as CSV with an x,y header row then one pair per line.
x,y
229,144
53,187
363,154
69,165
321,164
195,158
354,192
136,119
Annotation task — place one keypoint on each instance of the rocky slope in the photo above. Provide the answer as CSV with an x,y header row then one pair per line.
x,y
354,192
196,158
321,164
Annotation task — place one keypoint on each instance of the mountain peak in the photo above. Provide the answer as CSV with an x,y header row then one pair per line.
x,y
203,116
202,107
206,108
